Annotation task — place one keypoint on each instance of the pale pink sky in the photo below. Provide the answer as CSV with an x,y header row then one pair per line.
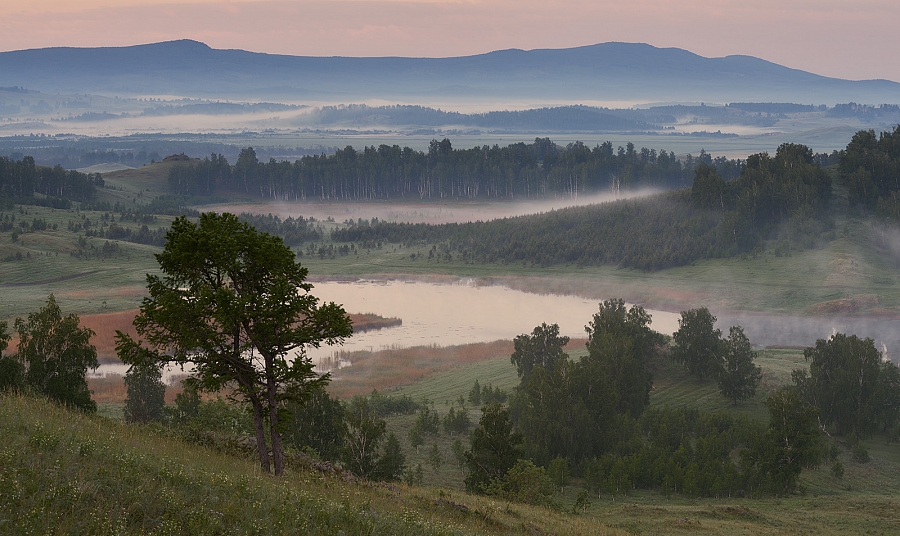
x,y
853,39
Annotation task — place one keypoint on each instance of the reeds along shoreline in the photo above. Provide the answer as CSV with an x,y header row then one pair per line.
x,y
105,326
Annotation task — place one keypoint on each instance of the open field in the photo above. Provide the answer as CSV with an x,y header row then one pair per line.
x,y
84,278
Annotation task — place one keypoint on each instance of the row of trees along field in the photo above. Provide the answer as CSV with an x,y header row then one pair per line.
x,y
21,179
715,218
518,171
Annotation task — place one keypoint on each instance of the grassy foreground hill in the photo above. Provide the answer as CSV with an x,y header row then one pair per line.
x,y
63,472
67,473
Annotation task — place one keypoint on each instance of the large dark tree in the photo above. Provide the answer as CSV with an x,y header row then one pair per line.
x,y
234,304
494,450
620,345
698,343
791,442
543,348
739,377
843,383
56,354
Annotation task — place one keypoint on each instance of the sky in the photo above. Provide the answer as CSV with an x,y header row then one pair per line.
x,y
841,38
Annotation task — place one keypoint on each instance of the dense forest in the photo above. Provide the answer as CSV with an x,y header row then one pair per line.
x,y
519,171
21,179
715,218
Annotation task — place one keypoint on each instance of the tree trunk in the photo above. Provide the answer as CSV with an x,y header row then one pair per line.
x,y
271,388
260,435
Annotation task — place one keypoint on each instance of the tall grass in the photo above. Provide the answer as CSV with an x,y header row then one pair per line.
x,y
67,473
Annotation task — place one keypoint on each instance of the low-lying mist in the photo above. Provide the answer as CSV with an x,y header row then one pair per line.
x,y
432,212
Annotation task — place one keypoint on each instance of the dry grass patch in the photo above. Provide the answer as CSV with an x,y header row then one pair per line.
x,y
400,366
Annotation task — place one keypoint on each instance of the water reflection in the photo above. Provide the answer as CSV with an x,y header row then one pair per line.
x,y
459,313
463,312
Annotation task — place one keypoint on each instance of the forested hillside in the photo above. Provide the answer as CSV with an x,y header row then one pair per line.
x,y
716,218
519,171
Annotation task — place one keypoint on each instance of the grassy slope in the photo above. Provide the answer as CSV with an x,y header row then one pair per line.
x,y
67,473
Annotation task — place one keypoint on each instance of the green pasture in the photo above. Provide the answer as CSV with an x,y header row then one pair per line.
x,y
43,262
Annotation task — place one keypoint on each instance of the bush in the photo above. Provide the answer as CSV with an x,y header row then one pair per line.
x,y
526,483
146,394
837,470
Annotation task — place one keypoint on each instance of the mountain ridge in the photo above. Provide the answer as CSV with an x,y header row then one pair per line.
x,y
604,71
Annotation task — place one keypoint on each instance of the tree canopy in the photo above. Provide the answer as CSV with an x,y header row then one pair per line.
x,y
495,449
234,304
698,344
56,354
739,377
543,348
849,385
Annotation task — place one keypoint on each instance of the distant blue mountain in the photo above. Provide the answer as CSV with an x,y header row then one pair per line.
x,y
607,71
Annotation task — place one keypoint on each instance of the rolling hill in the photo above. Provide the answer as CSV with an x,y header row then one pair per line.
x,y
607,71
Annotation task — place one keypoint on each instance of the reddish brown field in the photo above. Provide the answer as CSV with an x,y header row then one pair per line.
x,y
106,324
389,368
380,370
110,389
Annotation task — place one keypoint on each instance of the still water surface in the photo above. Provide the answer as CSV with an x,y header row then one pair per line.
x,y
459,313
463,312
448,314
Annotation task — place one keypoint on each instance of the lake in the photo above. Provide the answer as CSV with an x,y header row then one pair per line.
x,y
464,312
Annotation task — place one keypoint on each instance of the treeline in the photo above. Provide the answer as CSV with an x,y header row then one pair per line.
x,y
561,118
661,231
789,188
717,218
21,179
577,118
870,169
293,232
537,170
217,108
